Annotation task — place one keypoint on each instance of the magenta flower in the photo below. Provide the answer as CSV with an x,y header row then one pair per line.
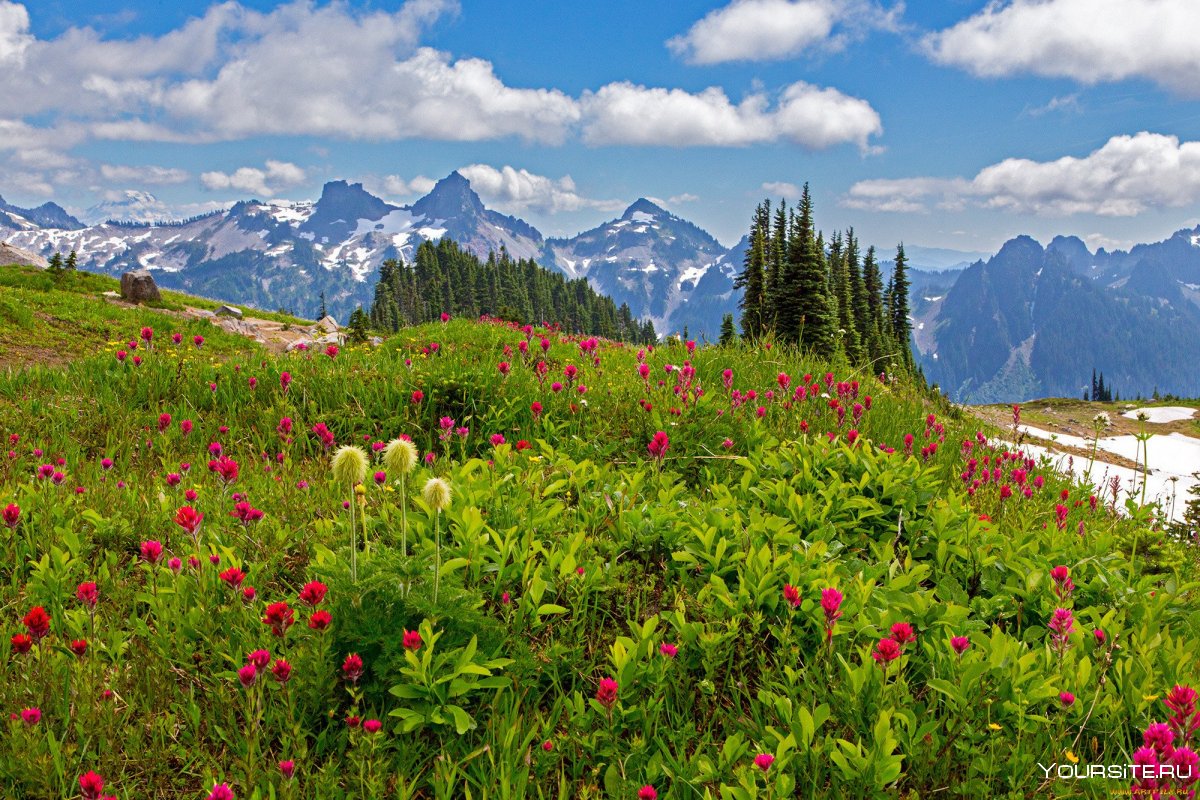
x,y
764,760
886,651
221,791
960,644
12,515
668,650
247,675
659,444
31,716
831,604
152,551
412,640
902,632
1066,699
91,785
647,793
287,768
606,694
792,595
372,726
352,667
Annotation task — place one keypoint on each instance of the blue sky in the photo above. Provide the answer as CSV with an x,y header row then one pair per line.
x,y
954,124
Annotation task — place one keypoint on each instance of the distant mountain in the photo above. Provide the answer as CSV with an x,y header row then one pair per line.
x,y
936,259
1034,322
285,254
132,206
666,269
47,215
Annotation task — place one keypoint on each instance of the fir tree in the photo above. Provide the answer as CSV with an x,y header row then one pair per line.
x,y
359,326
728,335
751,280
873,289
803,311
55,266
72,261
860,310
901,326
322,314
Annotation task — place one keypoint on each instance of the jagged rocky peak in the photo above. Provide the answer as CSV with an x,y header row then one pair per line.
x,y
451,198
644,206
1072,251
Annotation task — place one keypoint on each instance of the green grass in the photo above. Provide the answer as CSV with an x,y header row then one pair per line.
x,y
561,565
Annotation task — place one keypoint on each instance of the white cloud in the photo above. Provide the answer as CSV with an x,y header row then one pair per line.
x,y
628,114
762,30
14,32
1087,40
1095,241
1068,102
398,188
150,174
686,197
1125,177
277,176
789,191
516,190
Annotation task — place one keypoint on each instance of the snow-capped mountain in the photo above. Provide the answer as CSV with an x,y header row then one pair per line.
x,y
285,254
129,206
666,269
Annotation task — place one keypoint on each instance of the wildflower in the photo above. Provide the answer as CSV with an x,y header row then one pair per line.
x,y
280,617
606,694
1062,622
281,670
248,594
221,791
189,519
320,620
285,380
287,769
349,465
31,716
1159,736
437,494
352,721
400,456
352,668
91,785
1100,636
792,595
313,593
412,640
764,761
536,408
647,793
886,651
380,477
1181,701
902,632
247,675
547,746
259,659
1066,699
225,468
728,443
331,351
21,643
831,603
1063,587
668,650
960,644
324,434
496,439
12,515
233,577
372,726
79,647
417,396
37,623
659,444
523,445
88,594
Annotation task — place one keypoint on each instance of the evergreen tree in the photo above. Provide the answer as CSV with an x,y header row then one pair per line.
x,y
839,264
860,310
322,314
778,255
1095,386
728,336
56,264
803,312
359,326
901,326
72,261
751,280
873,288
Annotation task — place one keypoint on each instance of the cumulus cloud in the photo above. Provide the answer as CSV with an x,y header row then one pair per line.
x,y
151,174
1086,40
679,199
628,114
763,30
14,32
267,182
516,190
789,191
1125,177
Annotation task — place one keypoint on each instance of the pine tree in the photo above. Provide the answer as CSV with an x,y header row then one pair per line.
x,y
55,266
752,282
72,262
728,335
804,312
901,326
778,261
359,326
1095,386
873,288
839,265
322,314
860,310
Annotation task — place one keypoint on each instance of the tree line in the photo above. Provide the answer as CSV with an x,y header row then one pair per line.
x,y
825,297
444,278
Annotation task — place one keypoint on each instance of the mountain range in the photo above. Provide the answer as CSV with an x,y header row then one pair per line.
x,y
1029,321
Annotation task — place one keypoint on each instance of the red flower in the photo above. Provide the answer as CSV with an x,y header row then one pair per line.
x,y
372,726
331,351
189,519
352,667
91,785
320,620
79,647
792,595
886,651
21,643
352,721
418,396
152,550
247,675
313,593
960,644
606,694
764,761
902,632
647,793
280,617
221,792
12,515
232,576
287,768
225,468
412,640
282,670
523,445
536,408
658,445
37,622
259,659
88,594
31,716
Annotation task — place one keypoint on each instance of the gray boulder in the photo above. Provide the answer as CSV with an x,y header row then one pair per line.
x,y
327,324
229,311
138,286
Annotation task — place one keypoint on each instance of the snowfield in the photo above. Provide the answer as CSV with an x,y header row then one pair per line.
x,y
1162,414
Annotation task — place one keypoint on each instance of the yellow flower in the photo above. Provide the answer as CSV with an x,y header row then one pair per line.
x,y
993,726
1149,698
1074,759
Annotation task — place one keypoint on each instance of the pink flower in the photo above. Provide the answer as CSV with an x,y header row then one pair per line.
x,y
1066,699
536,408
668,650
412,640
88,594
285,380
792,595
31,716
372,726
764,761
647,793
91,785
659,444
313,593
280,617
221,791
189,519
287,769
831,604
247,675
12,515
281,670
547,746
152,550
902,632
960,644
606,694
320,620
352,667
331,351
886,651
